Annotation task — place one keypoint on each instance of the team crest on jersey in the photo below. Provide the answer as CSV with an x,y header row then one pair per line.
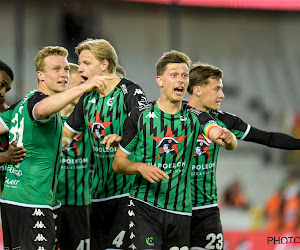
x,y
74,143
110,101
98,127
202,147
168,144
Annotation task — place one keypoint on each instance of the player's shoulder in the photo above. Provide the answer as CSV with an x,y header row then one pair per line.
x,y
220,113
192,110
139,110
128,86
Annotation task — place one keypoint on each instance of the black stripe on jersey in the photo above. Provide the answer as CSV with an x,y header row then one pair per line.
x,y
195,183
213,174
75,181
115,181
84,184
57,158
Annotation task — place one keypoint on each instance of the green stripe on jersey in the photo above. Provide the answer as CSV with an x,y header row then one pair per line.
x,y
74,175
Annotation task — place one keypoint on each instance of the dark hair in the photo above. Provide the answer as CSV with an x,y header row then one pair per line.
x,y
4,67
200,73
172,56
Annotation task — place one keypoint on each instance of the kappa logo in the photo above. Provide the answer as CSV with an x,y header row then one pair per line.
x,y
132,246
151,115
138,92
41,248
93,100
130,204
38,212
39,224
131,213
131,224
132,235
124,89
40,237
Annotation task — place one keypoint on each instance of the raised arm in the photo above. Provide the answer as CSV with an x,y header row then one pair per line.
x,y
54,103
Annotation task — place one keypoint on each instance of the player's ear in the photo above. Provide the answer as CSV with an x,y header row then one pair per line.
x,y
104,64
159,81
40,75
197,90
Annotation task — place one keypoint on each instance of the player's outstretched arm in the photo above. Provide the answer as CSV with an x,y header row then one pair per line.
x,y
121,164
273,139
223,137
67,137
13,154
111,140
54,103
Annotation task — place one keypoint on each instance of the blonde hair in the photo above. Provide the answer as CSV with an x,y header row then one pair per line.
x,y
102,50
48,51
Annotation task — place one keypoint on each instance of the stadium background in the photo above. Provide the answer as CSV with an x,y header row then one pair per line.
x,y
256,43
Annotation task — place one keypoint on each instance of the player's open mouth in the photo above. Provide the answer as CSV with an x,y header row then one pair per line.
x,y
84,78
178,90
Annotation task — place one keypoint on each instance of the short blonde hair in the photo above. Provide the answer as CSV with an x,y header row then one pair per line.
x,y
48,51
102,50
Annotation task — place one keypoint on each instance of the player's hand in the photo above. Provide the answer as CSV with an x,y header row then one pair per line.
x,y
225,135
98,83
15,154
152,173
111,140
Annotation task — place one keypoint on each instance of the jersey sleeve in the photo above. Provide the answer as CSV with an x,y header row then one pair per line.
x,y
130,135
232,122
32,102
246,132
135,97
75,122
206,121
273,139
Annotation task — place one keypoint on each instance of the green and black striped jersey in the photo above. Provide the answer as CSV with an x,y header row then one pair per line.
x,y
33,181
102,116
74,187
204,188
168,142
